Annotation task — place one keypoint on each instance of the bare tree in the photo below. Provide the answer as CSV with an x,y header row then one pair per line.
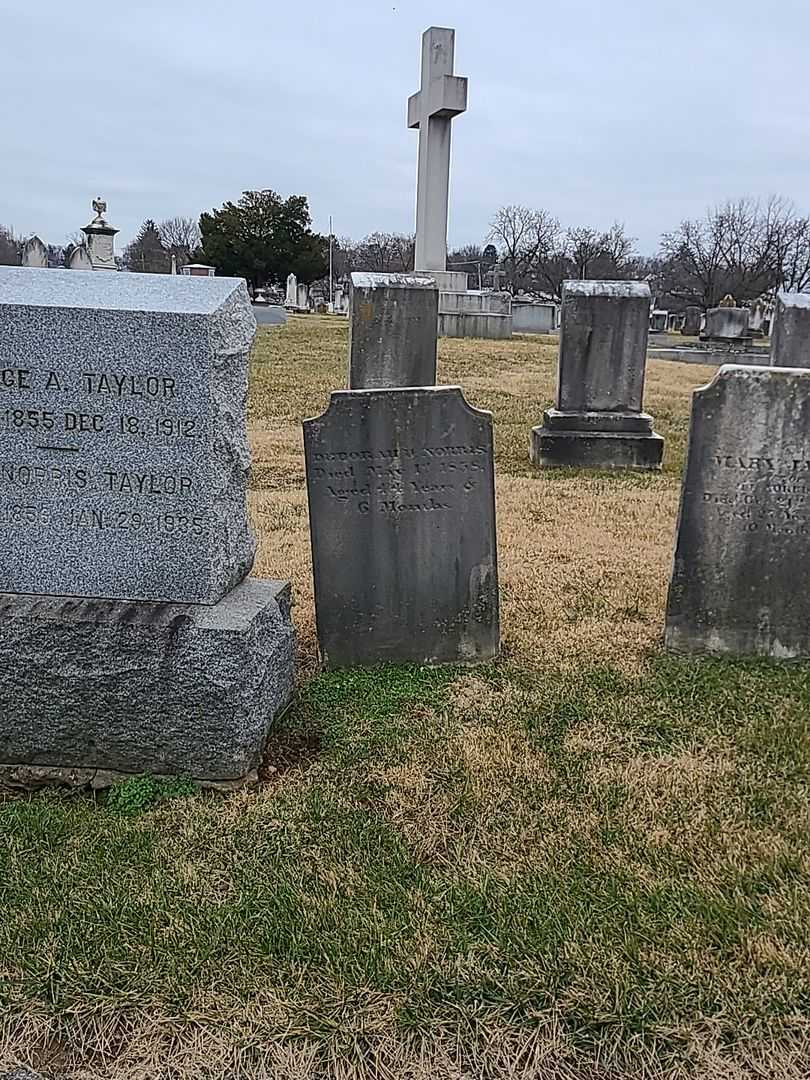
x,y
378,252
742,247
181,237
523,237
10,247
584,246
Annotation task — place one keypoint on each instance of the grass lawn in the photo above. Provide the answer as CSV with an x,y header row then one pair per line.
x,y
587,860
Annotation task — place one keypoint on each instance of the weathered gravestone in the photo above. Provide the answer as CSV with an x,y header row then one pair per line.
x,y
743,545
393,326
291,296
691,322
402,520
34,253
123,472
727,324
790,336
598,420
79,258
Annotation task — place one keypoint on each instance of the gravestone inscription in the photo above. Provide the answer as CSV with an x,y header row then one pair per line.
x,y
123,455
402,519
743,544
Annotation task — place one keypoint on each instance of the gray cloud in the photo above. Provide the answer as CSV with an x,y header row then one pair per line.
x,y
640,112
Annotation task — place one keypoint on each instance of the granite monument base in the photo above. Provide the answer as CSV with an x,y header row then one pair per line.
x,y
596,440
99,688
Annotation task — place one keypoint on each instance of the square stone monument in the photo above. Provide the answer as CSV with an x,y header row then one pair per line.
x,y
691,321
743,545
402,520
133,642
790,336
393,321
728,324
598,420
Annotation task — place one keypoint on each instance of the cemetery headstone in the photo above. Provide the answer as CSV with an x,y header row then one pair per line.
x,y
133,642
291,297
79,259
598,420
122,442
402,518
691,322
743,544
727,323
393,321
790,333
100,240
303,297
34,253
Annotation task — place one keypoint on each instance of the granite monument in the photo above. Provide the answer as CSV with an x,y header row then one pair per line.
x,y
124,447
598,420
133,642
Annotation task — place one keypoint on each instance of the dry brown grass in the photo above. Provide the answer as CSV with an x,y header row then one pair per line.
x,y
584,560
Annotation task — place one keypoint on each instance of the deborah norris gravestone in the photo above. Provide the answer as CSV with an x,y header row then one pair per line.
x,y
598,420
123,473
393,325
402,518
743,545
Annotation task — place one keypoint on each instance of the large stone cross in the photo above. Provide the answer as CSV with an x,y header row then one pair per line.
x,y
441,96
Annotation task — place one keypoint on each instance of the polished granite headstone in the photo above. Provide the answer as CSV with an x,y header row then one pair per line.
x,y
131,641
123,454
402,519
743,545
598,420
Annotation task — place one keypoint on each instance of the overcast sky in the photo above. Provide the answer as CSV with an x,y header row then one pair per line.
x,y
642,111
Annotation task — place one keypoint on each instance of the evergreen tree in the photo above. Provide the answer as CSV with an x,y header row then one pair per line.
x,y
146,254
263,238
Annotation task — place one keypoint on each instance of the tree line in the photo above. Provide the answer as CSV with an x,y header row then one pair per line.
x,y
746,247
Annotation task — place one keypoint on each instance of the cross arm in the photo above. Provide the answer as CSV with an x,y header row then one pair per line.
x,y
446,97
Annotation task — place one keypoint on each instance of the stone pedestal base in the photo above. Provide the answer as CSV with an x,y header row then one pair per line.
x,y
597,441
90,688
